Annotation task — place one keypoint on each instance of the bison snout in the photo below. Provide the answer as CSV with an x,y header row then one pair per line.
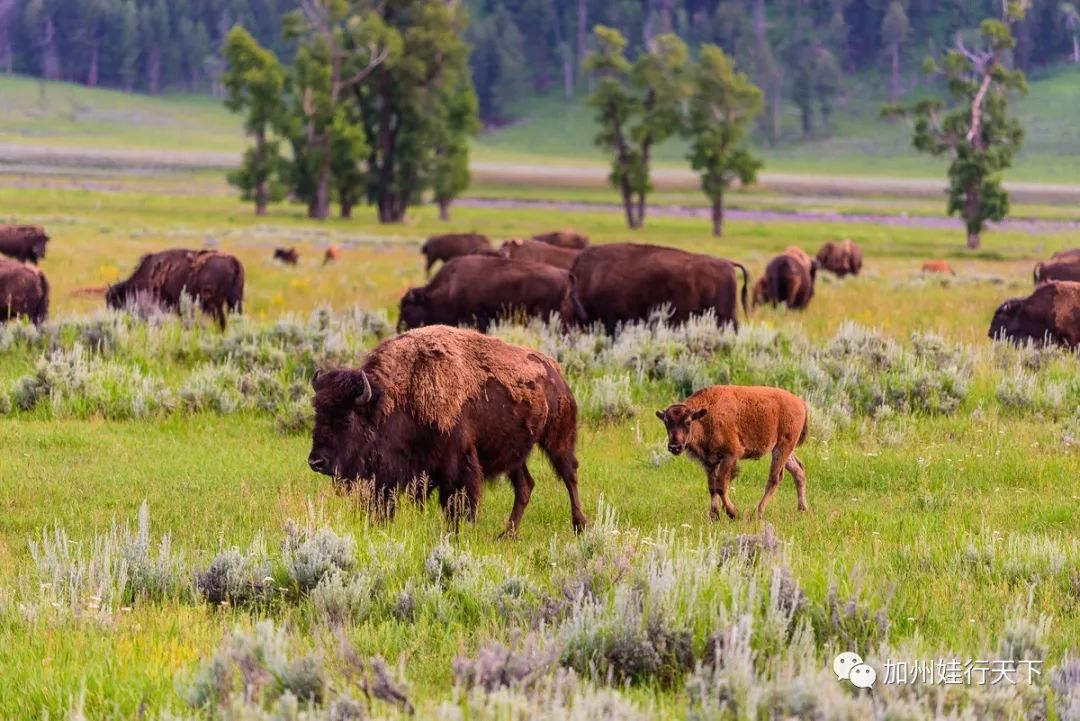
x,y
319,465
675,448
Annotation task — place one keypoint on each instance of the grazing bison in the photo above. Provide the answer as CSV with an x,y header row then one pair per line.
x,y
215,281
23,242
452,407
789,279
938,266
624,282
538,252
1050,316
1066,267
840,258
721,425
564,239
288,256
24,291
478,289
452,245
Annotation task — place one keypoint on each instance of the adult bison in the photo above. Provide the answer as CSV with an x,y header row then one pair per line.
x,y
443,409
538,252
24,291
452,245
215,281
563,239
478,289
841,258
288,256
1062,267
789,279
624,282
1050,315
23,242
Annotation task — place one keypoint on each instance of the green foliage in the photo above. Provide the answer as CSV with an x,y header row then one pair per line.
x,y
722,105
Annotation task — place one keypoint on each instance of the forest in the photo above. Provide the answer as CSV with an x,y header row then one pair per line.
x,y
797,51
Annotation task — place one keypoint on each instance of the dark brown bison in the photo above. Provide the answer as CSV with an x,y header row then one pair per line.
x,y
538,252
840,258
288,256
443,408
1050,315
23,242
789,279
1067,253
24,291
452,245
478,289
1065,267
564,239
215,281
624,282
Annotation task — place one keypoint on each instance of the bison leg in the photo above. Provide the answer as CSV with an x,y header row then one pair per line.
x,y
463,498
798,472
565,465
523,488
776,473
720,476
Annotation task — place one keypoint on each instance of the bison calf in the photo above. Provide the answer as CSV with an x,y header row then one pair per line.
x,y
938,266
24,291
721,425
452,245
23,242
450,406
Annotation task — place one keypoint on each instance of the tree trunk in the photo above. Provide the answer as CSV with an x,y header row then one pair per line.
x,y
444,209
260,183
92,70
894,75
718,216
322,186
7,19
582,30
1076,49
153,70
628,205
50,53
347,203
971,217
568,72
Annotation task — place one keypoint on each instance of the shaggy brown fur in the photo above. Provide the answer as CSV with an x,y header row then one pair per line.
x,y
534,250
1068,253
841,258
938,266
288,256
24,291
450,405
564,239
452,245
789,279
1066,267
1050,315
721,425
23,242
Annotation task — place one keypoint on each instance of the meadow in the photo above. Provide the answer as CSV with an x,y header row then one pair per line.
x,y
166,553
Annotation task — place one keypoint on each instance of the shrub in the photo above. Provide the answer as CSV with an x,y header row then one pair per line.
x,y
313,554
236,578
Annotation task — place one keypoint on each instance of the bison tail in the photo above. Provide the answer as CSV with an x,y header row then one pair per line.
x,y
745,286
805,426
580,316
41,312
235,299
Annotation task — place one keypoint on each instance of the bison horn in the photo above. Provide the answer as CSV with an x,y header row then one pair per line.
x,y
366,395
315,378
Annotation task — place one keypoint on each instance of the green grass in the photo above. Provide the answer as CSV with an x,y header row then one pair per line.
x,y
897,502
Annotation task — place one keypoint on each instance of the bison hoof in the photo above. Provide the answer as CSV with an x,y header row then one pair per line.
x,y
509,533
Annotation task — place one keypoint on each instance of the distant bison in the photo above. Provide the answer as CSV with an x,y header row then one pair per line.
x,y
452,245
938,266
538,252
215,281
840,258
24,291
478,289
23,242
288,256
332,254
789,279
1050,315
443,409
1062,267
1067,253
624,282
722,425
563,239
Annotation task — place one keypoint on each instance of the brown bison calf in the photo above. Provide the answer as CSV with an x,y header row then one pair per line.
x,y
450,406
721,425
24,291
452,245
23,242
332,254
789,279
537,252
564,239
841,258
1050,315
938,266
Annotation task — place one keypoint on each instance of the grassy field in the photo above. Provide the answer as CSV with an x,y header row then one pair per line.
x,y
942,488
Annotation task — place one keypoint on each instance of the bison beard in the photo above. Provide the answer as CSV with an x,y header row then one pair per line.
x,y
451,406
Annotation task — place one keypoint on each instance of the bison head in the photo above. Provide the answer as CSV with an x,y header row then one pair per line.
x,y
413,313
678,419
1010,324
346,404
116,296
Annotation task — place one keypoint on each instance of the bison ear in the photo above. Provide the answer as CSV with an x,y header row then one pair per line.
x,y
699,414
661,415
